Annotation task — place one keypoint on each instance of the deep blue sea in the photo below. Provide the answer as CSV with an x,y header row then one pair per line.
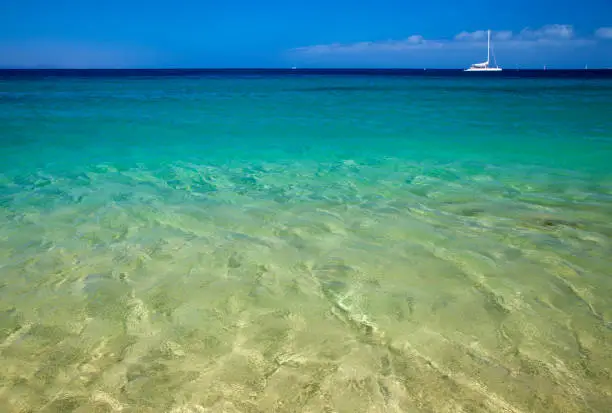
x,y
305,241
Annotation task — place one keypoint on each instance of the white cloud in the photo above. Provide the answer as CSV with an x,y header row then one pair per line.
x,y
551,32
473,36
415,39
503,35
411,43
604,33
551,36
554,44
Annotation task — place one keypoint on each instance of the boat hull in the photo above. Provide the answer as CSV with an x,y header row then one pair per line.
x,y
488,69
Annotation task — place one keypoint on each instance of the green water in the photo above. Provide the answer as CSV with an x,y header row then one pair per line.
x,y
317,243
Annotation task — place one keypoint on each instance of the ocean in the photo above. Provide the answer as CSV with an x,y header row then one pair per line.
x,y
305,241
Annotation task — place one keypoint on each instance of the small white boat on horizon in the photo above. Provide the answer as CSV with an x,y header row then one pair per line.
x,y
485,66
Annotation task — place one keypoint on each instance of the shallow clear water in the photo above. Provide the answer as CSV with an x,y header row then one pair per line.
x,y
305,243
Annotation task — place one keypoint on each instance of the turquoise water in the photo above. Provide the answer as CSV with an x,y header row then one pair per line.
x,y
305,243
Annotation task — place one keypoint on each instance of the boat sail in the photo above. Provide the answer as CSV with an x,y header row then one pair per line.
x,y
485,66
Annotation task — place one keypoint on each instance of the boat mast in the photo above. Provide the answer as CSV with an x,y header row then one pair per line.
x,y
488,46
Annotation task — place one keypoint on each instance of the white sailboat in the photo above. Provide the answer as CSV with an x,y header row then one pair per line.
x,y
485,66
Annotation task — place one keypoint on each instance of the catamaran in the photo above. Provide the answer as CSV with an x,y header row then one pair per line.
x,y
485,66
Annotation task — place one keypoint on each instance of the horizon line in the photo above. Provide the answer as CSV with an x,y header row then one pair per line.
x,y
292,69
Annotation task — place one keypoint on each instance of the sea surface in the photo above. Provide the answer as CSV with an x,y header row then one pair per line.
x,y
295,241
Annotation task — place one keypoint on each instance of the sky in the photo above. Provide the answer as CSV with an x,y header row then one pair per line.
x,y
303,33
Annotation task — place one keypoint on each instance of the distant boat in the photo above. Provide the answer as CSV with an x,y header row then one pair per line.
x,y
485,66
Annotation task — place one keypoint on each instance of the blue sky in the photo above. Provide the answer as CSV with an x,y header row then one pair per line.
x,y
310,33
